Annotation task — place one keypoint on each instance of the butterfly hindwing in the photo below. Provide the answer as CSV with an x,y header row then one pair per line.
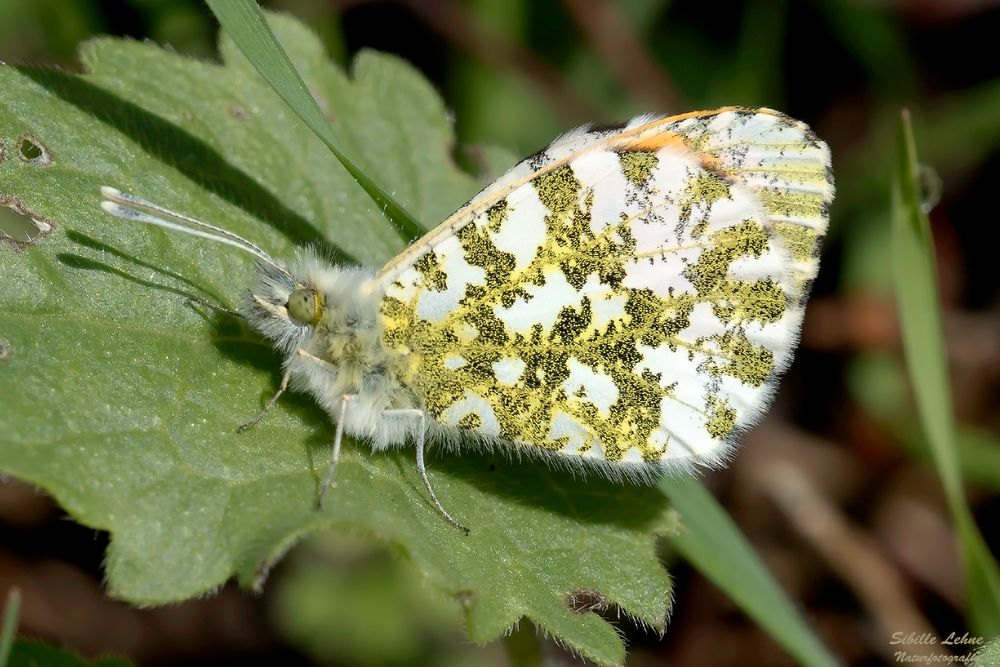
x,y
626,297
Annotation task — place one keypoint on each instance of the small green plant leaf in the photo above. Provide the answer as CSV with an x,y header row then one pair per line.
x,y
30,653
915,276
122,400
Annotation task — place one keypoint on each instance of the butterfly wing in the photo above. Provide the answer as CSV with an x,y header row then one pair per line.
x,y
627,297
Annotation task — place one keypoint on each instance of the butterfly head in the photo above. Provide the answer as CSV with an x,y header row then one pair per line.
x,y
305,305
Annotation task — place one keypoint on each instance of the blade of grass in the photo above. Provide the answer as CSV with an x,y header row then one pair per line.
x,y
915,275
8,627
712,543
245,25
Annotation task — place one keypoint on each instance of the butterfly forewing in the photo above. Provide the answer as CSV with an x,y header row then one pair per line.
x,y
626,297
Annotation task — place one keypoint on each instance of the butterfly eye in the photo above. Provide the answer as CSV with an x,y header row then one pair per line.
x,y
304,305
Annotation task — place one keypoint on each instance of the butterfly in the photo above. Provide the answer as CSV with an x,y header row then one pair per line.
x,y
622,302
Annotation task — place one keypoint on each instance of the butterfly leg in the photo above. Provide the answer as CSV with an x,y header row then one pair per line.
x,y
338,437
422,469
253,421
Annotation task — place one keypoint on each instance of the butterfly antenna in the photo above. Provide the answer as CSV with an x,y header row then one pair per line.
x,y
135,209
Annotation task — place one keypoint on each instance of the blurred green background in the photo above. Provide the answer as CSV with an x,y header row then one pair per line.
x,y
877,553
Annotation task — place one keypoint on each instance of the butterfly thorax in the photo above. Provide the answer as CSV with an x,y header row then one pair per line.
x,y
334,348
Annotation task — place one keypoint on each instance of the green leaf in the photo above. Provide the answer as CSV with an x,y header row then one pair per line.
x,y
712,543
915,276
29,653
122,401
246,26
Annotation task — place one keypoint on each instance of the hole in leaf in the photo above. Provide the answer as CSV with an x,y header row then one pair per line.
x,y
20,227
5,349
586,599
32,151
